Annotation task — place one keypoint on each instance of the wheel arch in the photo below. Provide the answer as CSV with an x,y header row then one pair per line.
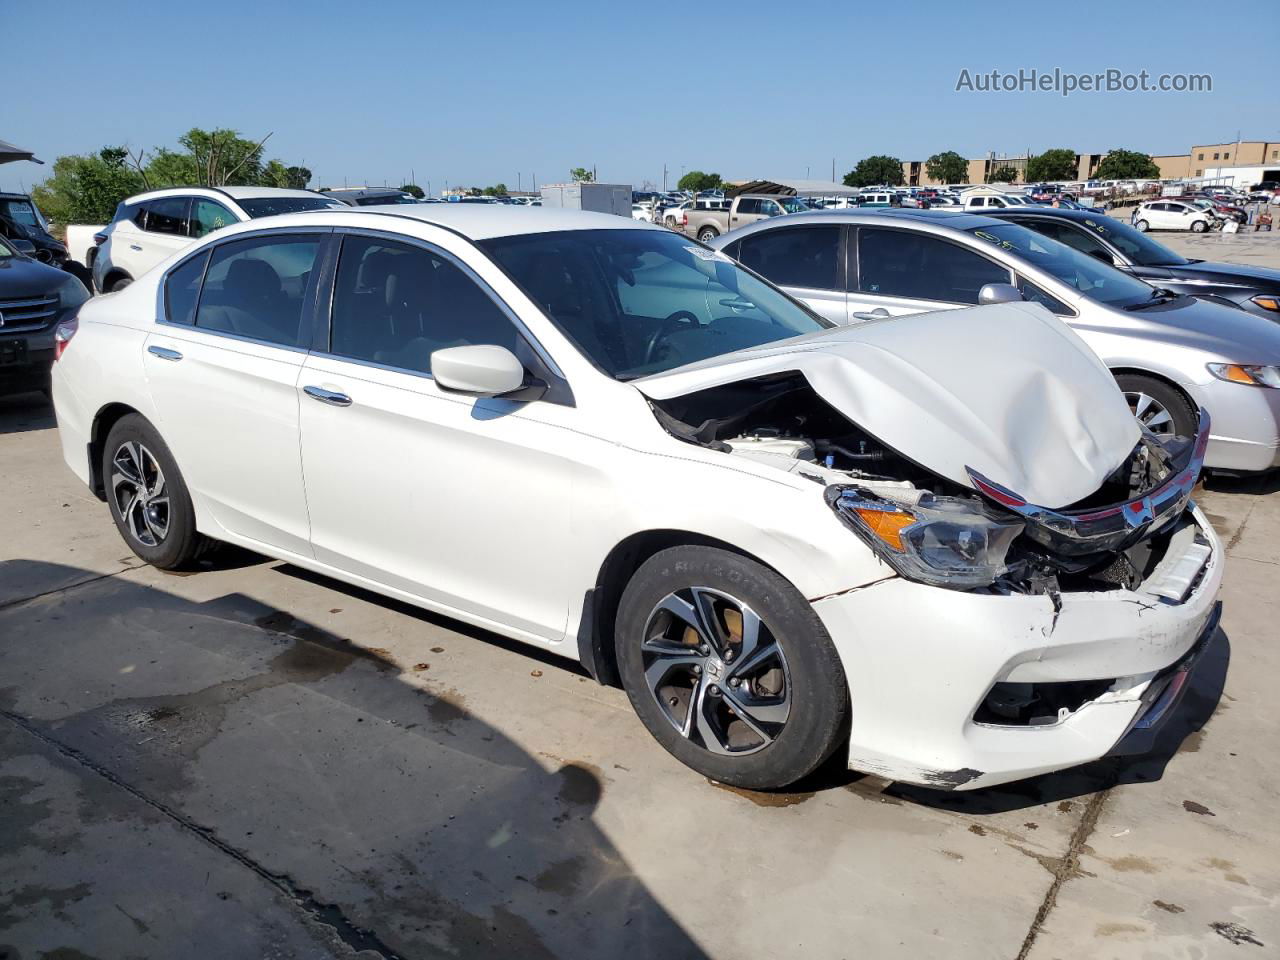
x,y
600,606
112,275
106,418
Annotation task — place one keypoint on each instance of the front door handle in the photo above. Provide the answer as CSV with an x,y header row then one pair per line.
x,y
164,353
327,396
879,313
134,246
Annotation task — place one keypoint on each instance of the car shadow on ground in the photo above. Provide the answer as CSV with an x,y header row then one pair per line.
x,y
377,802
1257,484
22,412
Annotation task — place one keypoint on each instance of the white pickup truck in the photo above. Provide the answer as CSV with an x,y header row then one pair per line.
x,y
81,245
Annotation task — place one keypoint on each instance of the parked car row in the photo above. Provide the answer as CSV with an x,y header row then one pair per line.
x,y
937,541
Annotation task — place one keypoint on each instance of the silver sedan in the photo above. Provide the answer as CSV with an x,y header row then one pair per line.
x,y
1170,354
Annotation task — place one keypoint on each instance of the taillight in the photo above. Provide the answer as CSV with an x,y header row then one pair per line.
x,y
62,336
684,219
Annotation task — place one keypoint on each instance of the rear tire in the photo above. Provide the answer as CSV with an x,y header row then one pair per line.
x,y
765,704
147,496
707,234
1158,406
1142,226
118,285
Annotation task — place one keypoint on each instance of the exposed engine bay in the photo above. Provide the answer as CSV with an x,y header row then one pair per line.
x,y
933,529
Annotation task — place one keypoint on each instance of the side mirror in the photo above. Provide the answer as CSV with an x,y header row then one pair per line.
x,y
999,293
483,370
23,246
1105,257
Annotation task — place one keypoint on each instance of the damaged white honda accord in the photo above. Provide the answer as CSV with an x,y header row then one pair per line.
x,y
940,545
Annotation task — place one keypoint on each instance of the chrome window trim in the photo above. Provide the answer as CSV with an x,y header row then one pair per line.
x,y
520,326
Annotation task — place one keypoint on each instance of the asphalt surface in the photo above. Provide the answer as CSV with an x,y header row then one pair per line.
x,y
252,761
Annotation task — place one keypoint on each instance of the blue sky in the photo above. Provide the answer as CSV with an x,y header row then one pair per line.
x,y
487,92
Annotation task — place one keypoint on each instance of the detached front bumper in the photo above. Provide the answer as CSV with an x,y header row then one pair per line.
x,y
921,660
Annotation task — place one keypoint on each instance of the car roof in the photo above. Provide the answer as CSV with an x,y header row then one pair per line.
x,y
234,193
476,221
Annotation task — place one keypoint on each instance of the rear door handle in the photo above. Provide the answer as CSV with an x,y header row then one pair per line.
x,y
331,397
164,353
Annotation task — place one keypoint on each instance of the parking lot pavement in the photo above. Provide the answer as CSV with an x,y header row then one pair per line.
x,y
255,761
1254,249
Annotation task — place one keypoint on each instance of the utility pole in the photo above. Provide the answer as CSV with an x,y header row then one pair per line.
x,y
664,178
833,169
518,189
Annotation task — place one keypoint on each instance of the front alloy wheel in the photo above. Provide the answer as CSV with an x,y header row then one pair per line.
x,y
715,671
137,486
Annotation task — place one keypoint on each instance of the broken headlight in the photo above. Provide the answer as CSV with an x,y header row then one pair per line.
x,y
942,541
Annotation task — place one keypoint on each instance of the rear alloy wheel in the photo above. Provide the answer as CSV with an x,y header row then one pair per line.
x,y
1142,226
707,234
1157,406
729,667
148,497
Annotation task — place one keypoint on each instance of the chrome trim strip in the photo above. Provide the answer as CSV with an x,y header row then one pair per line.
x,y
1108,527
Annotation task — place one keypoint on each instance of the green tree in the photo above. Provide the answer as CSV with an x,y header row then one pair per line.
x,y
1003,174
169,168
86,188
1127,165
413,190
696,181
497,190
874,171
947,167
1057,164
581,175
224,158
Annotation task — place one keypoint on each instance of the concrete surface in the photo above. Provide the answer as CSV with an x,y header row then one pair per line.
x,y
252,761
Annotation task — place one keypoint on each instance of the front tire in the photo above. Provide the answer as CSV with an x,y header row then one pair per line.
x,y
729,667
148,498
1142,226
1199,227
1157,406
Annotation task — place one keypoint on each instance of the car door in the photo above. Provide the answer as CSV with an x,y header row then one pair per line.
x,y
165,231
745,211
895,271
806,260
222,364
461,502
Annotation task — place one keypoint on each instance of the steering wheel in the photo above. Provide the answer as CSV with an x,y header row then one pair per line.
x,y
658,335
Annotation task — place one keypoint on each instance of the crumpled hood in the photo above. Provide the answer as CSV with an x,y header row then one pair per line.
x,y
1006,389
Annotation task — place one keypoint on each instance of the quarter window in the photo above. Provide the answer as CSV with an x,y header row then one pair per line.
x,y
794,257
396,304
168,215
1035,294
893,263
182,290
256,288
207,216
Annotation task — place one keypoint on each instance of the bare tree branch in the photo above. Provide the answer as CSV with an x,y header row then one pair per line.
x,y
249,153
137,164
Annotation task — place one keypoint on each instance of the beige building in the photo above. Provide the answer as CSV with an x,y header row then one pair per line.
x,y
1242,153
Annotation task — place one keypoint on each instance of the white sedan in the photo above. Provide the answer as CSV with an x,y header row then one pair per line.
x,y
786,538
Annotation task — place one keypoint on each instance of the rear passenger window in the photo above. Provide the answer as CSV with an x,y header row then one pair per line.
x,y
395,304
182,290
168,215
795,257
894,263
256,288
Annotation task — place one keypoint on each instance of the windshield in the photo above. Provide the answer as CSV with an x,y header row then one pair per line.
x,y
1135,245
21,211
271,206
638,302
1085,274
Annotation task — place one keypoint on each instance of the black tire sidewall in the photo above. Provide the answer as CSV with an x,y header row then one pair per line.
x,y
1184,415
819,698
182,543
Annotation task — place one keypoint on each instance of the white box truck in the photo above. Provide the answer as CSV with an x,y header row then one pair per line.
x,y
597,197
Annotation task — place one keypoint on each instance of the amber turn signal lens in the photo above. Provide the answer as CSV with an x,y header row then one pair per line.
x,y
1268,303
1236,373
887,525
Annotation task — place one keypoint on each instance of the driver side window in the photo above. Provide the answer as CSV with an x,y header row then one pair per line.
x,y
394,304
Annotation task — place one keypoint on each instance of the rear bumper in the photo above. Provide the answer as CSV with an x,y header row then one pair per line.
x,y
920,660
